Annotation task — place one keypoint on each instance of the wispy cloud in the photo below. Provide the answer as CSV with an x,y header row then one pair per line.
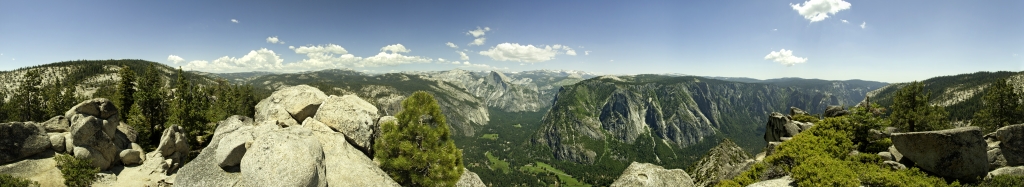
x,y
526,53
478,35
462,55
274,40
817,10
175,59
234,21
785,57
863,25
452,45
844,21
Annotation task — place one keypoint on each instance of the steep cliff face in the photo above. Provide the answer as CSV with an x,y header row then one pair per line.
x,y
725,161
511,92
606,115
961,94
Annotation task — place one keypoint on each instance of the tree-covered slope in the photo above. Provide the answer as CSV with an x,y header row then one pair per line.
x,y
959,94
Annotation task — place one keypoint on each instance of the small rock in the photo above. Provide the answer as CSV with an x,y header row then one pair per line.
x,y
57,142
836,111
1011,140
894,165
57,124
794,111
1016,171
996,159
896,155
130,157
886,155
783,181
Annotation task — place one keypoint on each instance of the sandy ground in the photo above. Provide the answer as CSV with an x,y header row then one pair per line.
x,y
42,168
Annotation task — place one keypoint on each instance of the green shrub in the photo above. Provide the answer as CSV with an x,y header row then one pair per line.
x,y
76,172
877,175
805,118
824,171
877,146
1004,180
11,181
416,149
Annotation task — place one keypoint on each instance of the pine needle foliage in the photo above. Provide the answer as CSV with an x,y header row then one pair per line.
x,y
912,113
418,150
1000,107
77,172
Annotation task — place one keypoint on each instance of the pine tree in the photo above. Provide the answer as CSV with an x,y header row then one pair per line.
x,y
911,111
1000,107
28,101
188,107
126,89
418,150
151,113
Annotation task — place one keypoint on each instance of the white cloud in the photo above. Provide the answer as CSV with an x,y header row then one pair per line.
x,y
462,55
478,35
326,56
478,41
397,48
234,21
439,60
784,57
775,29
520,53
864,24
570,52
478,32
274,40
390,59
262,59
586,52
175,59
817,10
453,46
844,21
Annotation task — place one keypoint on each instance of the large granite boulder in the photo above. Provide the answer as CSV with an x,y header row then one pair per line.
x,y
469,179
233,146
57,124
290,105
644,174
835,111
205,169
780,126
351,116
284,157
347,166
1011,143
955,153
21,139
88,133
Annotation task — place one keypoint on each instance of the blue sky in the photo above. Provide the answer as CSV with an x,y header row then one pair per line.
x,y
899,41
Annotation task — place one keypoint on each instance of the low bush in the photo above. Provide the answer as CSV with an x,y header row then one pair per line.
x,y
805,118
11,181
1004,180
76,172
825,171
877,146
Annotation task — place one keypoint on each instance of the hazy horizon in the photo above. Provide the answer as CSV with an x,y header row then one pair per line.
x,y
817,39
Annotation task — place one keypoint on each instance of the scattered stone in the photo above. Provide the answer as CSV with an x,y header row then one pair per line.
x,y
644,174
956,153
1011,140
886,155
896,155
469,179
174,148
130,157
894,165
21,139
1016,171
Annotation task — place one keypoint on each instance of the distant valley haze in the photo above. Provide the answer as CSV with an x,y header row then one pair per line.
x,y
898,41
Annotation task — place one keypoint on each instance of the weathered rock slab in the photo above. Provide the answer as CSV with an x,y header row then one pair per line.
x,y
469,179
347,166
351,116
644,174
956,153
298,102
285,157
21,139
1011,144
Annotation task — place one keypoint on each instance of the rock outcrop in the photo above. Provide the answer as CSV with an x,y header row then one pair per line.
x,y
779,182
94,132
21,139
268,152
644,174
469,179
725,161
1017,171
835,111
955,153
290,105
1011,144
780,126
351,116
